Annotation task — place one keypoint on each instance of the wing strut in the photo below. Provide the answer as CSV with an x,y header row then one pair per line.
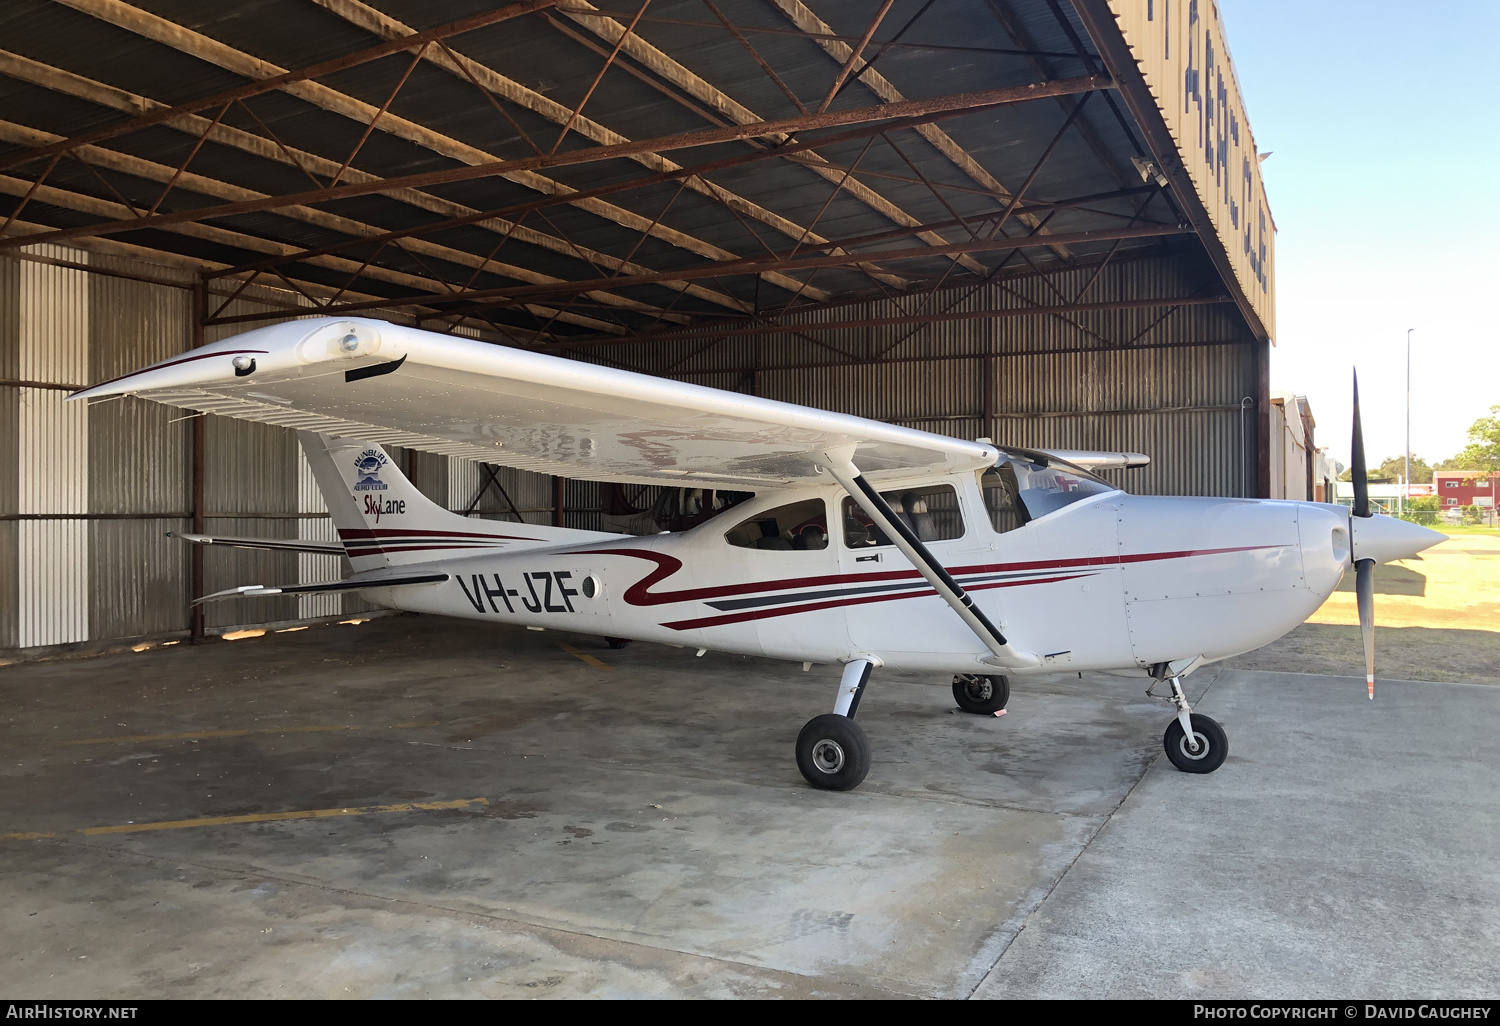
x,y
1003,652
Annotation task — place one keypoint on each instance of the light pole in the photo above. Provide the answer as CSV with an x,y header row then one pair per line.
x,y
1406,488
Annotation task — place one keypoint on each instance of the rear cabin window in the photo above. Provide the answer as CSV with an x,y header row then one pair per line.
x,y
931,513
795,526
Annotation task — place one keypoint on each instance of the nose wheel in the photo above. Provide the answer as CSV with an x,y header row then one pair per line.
x,y
1204,752
1194,742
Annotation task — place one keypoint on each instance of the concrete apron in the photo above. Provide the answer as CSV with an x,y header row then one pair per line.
x,y
644,831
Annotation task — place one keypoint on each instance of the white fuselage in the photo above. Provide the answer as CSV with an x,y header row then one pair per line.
x,y
1115,582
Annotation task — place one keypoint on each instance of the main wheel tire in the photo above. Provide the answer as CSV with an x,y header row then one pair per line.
x,y
617,642
833,752
983,696
1211,742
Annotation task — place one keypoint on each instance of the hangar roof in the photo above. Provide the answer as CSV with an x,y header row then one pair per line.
x,y
554,171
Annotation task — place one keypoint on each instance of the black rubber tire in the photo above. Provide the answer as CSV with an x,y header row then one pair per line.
x,y
850,753
1206,731
617,642
983,696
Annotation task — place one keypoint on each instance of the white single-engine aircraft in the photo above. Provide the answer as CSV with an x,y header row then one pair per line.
x,y
841,540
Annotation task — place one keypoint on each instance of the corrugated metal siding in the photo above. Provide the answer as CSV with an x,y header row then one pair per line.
x,y
532,493
1180,47
138,459
1081,382
10,410
225,567
139,577
249,467
52,563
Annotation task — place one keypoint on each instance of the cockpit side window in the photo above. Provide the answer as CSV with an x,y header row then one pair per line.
x,y
797,525
1000,499
931,512
1018,490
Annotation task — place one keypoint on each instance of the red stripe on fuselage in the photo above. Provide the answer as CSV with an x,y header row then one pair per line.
x,y
640,594
765,614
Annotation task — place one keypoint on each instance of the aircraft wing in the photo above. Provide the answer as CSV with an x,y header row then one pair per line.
x,y
380,382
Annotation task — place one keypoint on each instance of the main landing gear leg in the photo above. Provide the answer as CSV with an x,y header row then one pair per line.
x,y
1194,742
832,750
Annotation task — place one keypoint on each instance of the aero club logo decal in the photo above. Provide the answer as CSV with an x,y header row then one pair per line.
x,y
367,467
367,471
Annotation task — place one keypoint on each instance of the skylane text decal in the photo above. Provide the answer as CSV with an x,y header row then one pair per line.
x,y
377,507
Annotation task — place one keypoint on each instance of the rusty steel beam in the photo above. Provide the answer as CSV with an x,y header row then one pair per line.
x,y
932,358
603,190
745,44
119,99
831,37
514,10
935,108
664,74
732,329
756,264
854,55
608,63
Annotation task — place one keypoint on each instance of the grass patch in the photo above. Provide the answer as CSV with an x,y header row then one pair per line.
x,y
1491,532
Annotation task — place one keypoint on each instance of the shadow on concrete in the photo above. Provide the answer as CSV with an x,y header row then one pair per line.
x,y
1391,579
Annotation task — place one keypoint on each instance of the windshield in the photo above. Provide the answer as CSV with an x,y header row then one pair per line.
x,y
1038,488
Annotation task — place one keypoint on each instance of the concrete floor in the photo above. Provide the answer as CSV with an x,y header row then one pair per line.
x,y
512,813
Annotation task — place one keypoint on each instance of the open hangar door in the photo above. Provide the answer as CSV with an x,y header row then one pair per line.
x,y
1042,224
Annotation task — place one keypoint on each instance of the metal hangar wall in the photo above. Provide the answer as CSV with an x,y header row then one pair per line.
x,y
1031,220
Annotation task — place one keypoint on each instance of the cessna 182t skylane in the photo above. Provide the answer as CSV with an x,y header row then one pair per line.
x,y
841,540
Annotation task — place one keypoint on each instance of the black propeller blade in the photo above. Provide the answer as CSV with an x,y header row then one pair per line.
x,y
1364,569
1357,461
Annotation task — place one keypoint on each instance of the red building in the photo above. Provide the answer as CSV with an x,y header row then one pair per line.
x,y
1466,487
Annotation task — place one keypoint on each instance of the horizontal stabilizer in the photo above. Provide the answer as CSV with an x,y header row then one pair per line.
x,y
281,544
359,582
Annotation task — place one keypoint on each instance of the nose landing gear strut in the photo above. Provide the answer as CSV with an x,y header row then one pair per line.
x,y
1194,743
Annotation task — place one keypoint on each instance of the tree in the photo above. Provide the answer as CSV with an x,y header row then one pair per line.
x,y
1483,450
1394,469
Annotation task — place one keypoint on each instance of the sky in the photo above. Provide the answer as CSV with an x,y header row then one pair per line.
x,y
1383,123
